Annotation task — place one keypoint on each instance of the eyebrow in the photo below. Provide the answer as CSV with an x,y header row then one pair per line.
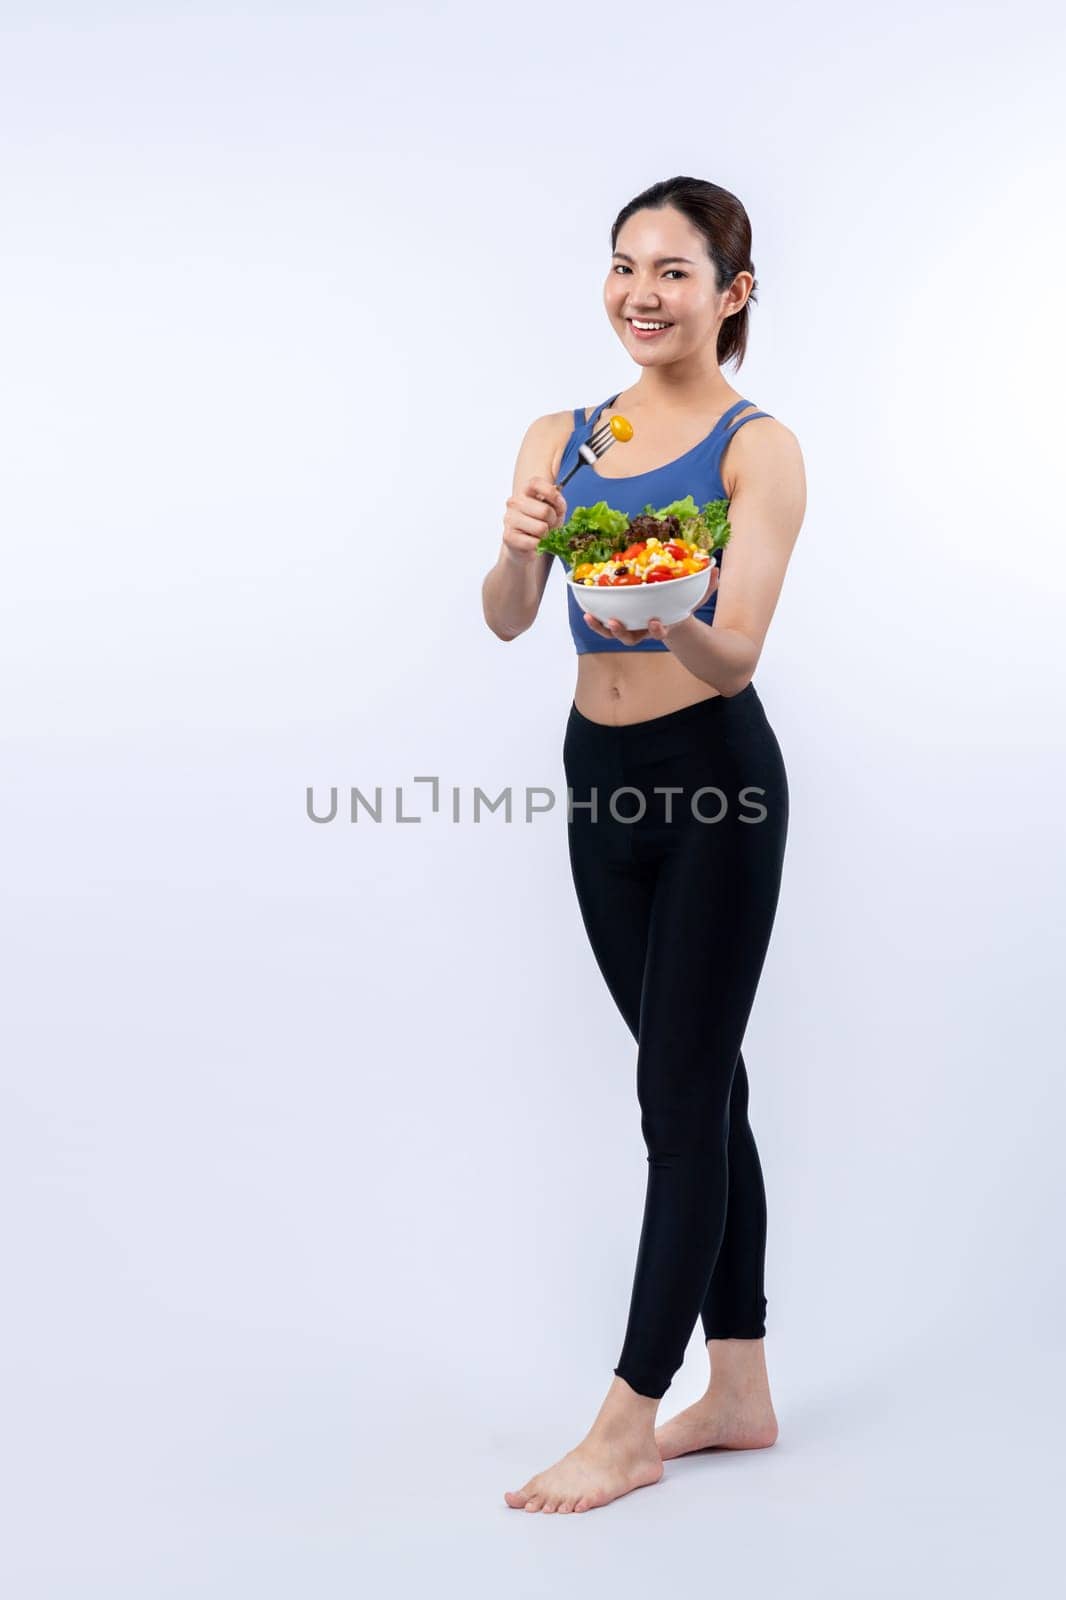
x,y
662,261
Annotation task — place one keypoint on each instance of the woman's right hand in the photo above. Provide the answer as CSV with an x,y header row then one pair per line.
x,y
529,516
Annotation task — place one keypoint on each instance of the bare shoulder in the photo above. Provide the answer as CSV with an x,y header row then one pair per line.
x,y
542,448
763,449
767,488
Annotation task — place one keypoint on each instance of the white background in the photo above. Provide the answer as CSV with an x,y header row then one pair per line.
x,y
322,1156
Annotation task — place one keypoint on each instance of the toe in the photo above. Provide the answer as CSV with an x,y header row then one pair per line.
x,y
534,1502
519,1497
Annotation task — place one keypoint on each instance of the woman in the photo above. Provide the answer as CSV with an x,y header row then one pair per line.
x,y
677,816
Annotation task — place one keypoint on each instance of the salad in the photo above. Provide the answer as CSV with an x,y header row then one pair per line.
x,y
607,548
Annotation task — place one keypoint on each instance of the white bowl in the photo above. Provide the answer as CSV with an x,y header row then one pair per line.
x,y
634,604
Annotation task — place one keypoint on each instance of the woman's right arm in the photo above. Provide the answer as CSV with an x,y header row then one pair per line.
x,y
512,591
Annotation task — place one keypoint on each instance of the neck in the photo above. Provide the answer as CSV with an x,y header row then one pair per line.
x,y
694,384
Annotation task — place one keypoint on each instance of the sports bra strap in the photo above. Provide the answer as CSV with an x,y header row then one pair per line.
x,y
738,425
592,420
725,427
723,421
727,416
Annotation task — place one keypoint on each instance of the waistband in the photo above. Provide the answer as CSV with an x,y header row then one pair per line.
x,y
652,733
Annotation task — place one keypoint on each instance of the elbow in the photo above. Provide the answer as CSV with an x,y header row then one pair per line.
x,y
735,682
743,668
493,623
501,629
502,633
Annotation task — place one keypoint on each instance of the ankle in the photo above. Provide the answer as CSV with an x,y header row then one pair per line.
x,y
626,1414
738,1369
737,1392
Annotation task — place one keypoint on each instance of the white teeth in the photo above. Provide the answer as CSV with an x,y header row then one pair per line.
x,y
648,326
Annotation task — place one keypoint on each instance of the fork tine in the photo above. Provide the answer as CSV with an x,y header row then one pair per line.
x,y
599,443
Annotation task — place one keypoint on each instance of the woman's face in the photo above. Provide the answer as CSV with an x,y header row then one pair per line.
x,y
647,283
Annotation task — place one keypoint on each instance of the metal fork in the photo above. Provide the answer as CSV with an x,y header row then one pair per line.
x,y
598,444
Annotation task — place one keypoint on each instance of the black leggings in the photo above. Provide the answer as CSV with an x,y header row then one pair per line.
x,y
678,904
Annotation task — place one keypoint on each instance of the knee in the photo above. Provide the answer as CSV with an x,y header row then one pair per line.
x,y
676,1134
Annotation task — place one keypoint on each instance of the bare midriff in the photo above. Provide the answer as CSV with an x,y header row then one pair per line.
x,y
621,686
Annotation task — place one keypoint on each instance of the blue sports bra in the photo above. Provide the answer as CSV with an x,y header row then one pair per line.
x,y
697,472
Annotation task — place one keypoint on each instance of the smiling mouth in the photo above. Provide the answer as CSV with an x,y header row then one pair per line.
x,y
649,333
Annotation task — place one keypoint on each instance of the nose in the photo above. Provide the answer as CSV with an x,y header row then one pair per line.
x,y
638,304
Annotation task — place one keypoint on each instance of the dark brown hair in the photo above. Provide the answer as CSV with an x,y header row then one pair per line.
x,y
724,223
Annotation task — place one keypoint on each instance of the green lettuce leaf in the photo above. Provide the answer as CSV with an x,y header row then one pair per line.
x,y
596,533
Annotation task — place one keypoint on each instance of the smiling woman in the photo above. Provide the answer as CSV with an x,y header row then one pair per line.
x,y
664,711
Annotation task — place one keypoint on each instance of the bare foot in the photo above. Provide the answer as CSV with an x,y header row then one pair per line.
x,y
719,1421
596,1472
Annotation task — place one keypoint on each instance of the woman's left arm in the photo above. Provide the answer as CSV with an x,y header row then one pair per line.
x,y
765,514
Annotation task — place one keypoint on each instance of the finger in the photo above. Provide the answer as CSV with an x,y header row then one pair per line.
x,y
534,526
542,492
532,506
534,499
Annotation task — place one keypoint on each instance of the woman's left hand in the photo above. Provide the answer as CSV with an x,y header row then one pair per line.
x,y
655,629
